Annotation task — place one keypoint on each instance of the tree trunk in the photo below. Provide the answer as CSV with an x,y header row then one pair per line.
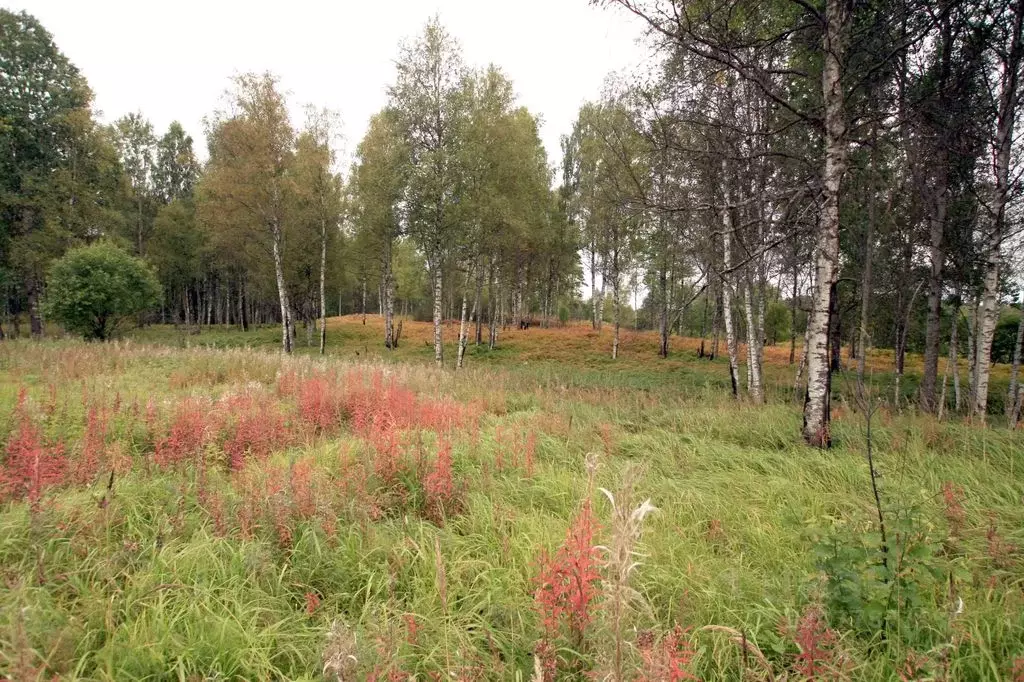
x,y
866,280
663,317
478,307
243,306
282,290
803,364
792,318
972,356
617,309
492,310
835,339
753,365
390,342
730,335
1011,394
989,309
937,256
463,328
438,303
35,317
951,362
817,407
704,324
187,309
323,286
716,325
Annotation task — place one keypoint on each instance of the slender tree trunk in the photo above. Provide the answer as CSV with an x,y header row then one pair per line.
x,y
323,286
753,364
282,290
704,324
187,308
988,317
901,343
955,355
35,317
817,407
390,341
463,327
716,324
663,316
617,309
593,286
792,317
492,312
951,362
972,355
835,339
478,306
866,281
243,306
805,350
937,257
730,334
727,234
210,302
438,303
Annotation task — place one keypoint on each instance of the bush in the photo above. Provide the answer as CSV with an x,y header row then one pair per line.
x,y
93,289
1005,337
776,323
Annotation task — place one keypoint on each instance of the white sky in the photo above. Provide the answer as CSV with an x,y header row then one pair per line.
x,y
172,60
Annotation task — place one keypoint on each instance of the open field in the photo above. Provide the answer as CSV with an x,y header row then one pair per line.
x,y
226,513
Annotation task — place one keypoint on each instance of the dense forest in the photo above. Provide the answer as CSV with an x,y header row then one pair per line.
x,y
834,177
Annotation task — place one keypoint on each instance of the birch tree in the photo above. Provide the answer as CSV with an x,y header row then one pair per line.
x,y
1008,57
251,149
428,96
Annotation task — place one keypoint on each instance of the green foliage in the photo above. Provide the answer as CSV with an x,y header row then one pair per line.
x,y
895,591
777,323
1005,337
93,289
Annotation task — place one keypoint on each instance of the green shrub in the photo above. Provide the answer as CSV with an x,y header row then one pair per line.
x,y
93,289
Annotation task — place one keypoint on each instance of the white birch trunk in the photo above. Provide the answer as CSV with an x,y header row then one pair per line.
x,y
817,408
988,312
463,326
616,310
282,290
753,342
438,302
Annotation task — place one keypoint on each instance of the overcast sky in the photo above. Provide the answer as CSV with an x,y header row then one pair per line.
x,y
172,60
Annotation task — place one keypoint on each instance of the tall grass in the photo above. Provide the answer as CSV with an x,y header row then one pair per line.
x,y
284,552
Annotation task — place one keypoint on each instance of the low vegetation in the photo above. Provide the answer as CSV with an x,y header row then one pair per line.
x,y
227,513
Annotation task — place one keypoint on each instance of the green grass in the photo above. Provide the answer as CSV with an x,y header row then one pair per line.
x,y
148,588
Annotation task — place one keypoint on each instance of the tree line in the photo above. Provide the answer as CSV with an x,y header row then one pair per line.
x,y
447,209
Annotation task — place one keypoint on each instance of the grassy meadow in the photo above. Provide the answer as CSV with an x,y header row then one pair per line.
x,y
197,507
